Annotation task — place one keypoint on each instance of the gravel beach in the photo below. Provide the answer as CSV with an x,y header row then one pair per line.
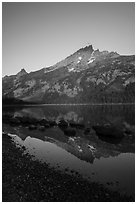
x,y
25,180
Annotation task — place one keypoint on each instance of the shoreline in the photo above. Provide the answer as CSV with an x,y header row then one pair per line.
x,y
71,104
25,180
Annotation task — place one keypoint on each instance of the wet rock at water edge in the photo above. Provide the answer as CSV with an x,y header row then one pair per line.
x,y
108,131
43,122
63,124
70,132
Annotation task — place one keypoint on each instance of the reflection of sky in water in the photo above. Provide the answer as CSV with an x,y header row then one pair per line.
x,y
119,170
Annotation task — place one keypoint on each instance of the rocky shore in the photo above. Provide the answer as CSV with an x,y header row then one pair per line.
x,y
107,131
25,180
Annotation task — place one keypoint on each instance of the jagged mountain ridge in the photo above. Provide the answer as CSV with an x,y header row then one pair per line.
x,y
87,76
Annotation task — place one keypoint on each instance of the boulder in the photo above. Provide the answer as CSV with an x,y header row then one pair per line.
x,y
43,122
63,124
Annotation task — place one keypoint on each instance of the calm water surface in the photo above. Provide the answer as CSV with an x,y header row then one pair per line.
x,y
109,162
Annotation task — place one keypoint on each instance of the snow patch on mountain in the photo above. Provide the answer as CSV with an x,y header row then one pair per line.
x,y
71,69
30,83
129,80
79,60
91,60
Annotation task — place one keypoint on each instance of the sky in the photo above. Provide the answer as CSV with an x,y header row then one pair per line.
x,y
40,34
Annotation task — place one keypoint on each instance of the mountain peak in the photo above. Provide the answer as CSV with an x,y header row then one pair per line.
x,y
88,48
21,72
87,76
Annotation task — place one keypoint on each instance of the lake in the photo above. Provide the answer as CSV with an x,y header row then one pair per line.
x,y
105,160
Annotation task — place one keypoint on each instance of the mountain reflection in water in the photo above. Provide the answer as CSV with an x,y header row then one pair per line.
x,y
106,160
